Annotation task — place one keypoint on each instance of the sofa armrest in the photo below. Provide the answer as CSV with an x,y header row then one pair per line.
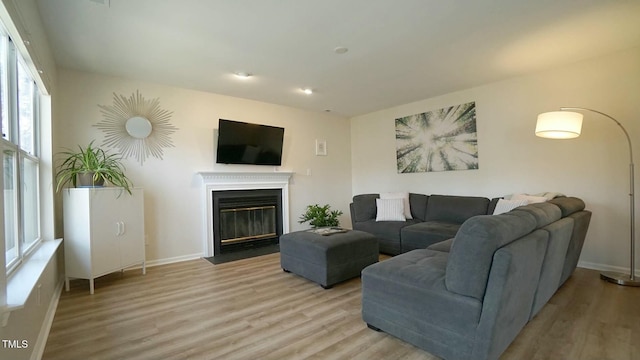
x,y
511,287
475,243
352,211
568,205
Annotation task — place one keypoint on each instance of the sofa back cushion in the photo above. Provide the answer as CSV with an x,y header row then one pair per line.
x,y
474,245
455,209
418,203
364,207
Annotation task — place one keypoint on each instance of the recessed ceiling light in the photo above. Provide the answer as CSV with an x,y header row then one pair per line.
x,y
242,75
307,91
340,50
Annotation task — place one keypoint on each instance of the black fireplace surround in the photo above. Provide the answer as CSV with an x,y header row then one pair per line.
x,y
245,219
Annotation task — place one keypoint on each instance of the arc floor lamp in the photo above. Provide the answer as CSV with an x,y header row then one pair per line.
x,y
567,124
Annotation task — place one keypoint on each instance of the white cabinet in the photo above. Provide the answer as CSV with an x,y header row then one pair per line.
x,y
103,232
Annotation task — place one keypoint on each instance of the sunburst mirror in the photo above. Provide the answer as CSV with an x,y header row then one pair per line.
x,y
137,127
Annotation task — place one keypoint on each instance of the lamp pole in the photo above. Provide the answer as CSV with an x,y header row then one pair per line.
x,y
622,279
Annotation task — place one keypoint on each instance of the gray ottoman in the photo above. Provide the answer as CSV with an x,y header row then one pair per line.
x,y
327,259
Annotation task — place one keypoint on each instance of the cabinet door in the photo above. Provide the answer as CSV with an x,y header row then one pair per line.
x,y
77,234
131,239
105,253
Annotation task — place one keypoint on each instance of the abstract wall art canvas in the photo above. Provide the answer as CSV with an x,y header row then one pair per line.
x,y
439,140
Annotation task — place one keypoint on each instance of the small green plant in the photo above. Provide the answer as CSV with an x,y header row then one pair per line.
x,y
320,216
102,166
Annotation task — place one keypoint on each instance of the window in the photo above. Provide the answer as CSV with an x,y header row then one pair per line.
x,y
10,206
19,150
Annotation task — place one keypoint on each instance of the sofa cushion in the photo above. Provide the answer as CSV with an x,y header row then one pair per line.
x,y
387,233
420,236
455,209
418,203
474,245
414,283
364,207
568,205
444,246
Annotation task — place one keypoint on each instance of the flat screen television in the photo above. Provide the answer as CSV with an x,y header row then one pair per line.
x,y
245,143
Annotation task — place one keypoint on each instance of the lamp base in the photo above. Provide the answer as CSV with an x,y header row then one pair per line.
x,y
620,279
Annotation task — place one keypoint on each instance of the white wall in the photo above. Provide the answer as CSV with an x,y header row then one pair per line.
x,y
174,200
594,167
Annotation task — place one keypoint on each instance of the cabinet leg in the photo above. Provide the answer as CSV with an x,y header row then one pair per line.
x,y
66,283
144,268
91,288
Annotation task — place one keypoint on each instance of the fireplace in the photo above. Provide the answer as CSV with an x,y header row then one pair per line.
x,y
243,184
244,219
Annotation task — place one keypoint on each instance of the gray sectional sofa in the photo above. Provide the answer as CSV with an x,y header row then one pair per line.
x,y
468,297
435,218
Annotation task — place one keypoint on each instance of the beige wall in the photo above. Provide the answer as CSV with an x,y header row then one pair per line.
x,y
174,200
31,323
23,17
594,167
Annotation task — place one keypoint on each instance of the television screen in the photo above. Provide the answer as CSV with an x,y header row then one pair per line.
x,y
244,143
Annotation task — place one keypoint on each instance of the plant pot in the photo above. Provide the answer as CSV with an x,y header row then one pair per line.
x,y
85,179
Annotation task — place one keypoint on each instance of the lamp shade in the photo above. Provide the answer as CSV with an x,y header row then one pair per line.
x,y
559,125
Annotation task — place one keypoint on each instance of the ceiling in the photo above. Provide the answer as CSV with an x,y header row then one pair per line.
x,y
399,51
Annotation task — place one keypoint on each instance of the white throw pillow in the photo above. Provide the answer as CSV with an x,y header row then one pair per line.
x,y
390,210
549,195
530,199
405,201
504,206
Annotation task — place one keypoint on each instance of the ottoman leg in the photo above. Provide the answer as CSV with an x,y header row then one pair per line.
x,y
285,270
327,287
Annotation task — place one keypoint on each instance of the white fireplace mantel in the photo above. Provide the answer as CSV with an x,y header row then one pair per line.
x,y
220,181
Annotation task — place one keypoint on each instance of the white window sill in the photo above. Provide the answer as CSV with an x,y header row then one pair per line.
x,y
21,283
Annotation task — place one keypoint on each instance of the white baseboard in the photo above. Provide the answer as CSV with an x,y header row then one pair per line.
x,y
605,267
41,342
174,259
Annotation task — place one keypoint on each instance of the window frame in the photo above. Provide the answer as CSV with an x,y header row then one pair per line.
x,y
11,103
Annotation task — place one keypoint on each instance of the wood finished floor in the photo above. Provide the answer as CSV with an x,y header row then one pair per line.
x,y
251,309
